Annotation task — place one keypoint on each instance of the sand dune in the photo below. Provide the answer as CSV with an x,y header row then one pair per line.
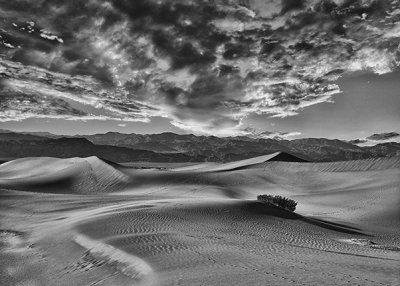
x,y
75,175
374,164
199,225
243,164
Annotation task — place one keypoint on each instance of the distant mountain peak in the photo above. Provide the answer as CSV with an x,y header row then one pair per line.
x,y
170,147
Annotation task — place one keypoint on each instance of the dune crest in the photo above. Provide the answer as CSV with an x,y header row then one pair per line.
x,y
76,175
244,164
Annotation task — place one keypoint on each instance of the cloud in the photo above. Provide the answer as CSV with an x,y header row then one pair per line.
x,y
28,91
288,5
258,134
205,65
383,136
358,141
377,139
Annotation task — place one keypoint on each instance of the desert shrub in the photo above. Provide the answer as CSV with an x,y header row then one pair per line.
x,y
278,201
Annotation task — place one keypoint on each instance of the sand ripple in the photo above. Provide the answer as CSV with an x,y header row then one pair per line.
x,y
128,264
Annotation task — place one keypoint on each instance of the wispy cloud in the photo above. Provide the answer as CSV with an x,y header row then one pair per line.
x,y
377,139
258,134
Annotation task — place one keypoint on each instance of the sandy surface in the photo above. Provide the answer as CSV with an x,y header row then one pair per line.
x,y
84,222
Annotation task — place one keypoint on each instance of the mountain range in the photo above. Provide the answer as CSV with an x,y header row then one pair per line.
x,y
171,147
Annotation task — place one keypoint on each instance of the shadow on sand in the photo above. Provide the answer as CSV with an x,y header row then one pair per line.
x,y
272,210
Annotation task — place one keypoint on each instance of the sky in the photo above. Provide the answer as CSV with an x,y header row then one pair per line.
x,y
286,68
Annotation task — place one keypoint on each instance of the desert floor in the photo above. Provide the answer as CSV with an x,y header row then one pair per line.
x,y
87,222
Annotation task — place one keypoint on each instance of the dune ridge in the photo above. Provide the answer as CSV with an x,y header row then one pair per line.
x,y
93,175
243,164
374,164
75,175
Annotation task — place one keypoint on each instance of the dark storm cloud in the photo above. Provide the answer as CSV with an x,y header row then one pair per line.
x,y
189,18
162,12
237,50
227,70
182,54
204,64
210,91
47,41
209,96
303,46
288,5
270,46
89,67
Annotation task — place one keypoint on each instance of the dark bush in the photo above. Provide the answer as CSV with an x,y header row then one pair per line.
x,y
279,201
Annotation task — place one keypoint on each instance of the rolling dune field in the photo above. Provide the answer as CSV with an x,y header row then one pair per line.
x,y
85,221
